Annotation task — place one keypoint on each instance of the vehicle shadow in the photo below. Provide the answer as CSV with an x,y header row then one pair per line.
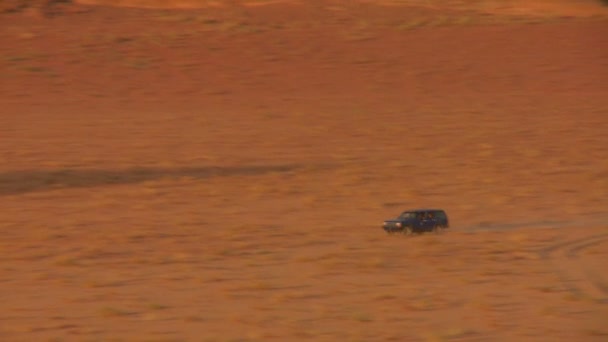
x,y
26,181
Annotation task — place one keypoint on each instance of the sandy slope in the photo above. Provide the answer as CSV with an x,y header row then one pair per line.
x,y
221,175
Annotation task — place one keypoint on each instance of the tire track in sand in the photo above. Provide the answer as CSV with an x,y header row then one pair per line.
x,y
580,279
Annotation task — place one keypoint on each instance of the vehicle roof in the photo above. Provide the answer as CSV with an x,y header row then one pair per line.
x,y
423,209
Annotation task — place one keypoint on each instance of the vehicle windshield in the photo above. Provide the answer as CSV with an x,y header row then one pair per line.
x,y
406,215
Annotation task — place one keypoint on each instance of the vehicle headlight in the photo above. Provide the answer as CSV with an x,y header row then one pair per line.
x,y
398,224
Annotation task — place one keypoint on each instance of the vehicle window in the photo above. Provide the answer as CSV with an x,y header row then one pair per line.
x,y
406,215
440,215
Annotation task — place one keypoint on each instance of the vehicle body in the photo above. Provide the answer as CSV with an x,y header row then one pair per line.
x,y
417,221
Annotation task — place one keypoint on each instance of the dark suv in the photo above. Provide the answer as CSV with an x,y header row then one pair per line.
x,y
417,221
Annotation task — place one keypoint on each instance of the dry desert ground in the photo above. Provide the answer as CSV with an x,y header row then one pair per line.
x,y
219,170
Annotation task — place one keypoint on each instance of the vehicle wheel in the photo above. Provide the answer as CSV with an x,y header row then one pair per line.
x,y
437,229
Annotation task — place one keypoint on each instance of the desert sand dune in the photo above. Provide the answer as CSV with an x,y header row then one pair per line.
x,y
221,173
